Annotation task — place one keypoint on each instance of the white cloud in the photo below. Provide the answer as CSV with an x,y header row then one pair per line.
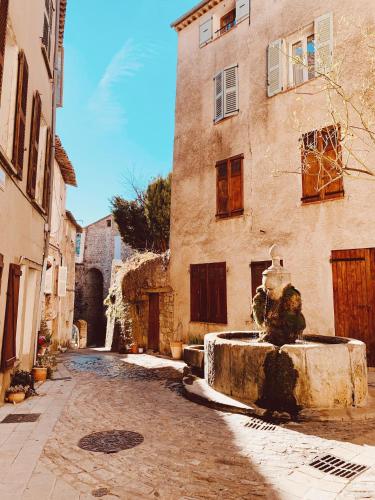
x,y
104,103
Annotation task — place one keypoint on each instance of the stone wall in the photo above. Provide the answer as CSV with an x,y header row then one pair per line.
x,y
133,282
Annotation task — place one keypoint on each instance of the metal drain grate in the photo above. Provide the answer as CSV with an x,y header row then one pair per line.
x,y
19,418
110,441
254,423
100,492
337,467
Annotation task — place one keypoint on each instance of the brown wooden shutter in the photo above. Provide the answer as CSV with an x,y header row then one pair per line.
x,y
20,114
332,161
217,292
1,268
236,186
47,173
3,33
198,292
257,269
8,352
34,145
222,189
310,167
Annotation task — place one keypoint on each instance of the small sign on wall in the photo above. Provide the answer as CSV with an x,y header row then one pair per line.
x,y
2,179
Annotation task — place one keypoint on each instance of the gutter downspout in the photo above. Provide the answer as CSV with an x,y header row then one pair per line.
x,y
47,228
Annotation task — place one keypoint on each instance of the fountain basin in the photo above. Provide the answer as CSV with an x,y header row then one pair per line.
x,y
194,357
321,372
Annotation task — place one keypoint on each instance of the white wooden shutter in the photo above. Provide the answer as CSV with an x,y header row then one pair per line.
x,y
242,9
48,280
63,274
230,90
323,43
205,32
219,96
275,67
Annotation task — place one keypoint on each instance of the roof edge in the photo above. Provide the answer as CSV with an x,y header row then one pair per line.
x,y
209,4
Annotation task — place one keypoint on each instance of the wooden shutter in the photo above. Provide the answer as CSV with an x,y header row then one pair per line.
x,y
331,163
198,292
257,269
3,35
217,292
20,114
310,167
48,280
1,268
275,67
242,9
47,173
59,77
222,189
205,32
8,352
219,96
323,43
63,274
236,186
230,90
34,145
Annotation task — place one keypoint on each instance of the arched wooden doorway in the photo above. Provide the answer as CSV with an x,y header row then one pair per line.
x,y
95,308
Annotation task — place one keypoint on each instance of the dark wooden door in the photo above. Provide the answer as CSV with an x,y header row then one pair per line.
x,y
153,322
353,273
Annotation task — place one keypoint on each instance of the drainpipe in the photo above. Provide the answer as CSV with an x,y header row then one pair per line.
x,y
47,227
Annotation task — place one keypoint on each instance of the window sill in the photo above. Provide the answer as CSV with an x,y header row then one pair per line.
x,y
323,200
46,61
39,209
7,164
291,88
234,215
235,113
207,323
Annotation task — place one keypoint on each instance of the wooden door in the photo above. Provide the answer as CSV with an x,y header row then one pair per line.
x,y
153,322
353,273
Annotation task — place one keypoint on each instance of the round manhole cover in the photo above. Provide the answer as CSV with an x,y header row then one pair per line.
x,y
110,441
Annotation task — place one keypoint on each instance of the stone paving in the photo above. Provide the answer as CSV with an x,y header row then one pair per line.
x,y
188,451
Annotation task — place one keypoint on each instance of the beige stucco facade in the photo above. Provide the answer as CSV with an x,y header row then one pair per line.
x,y
263,131
59,286
23,222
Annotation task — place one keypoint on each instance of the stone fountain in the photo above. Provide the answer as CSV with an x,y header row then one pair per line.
x,y
280,368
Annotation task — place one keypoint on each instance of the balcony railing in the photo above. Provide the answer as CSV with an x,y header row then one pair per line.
x,y
225,28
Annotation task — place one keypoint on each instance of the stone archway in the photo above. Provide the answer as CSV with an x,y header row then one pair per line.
x,y
94,308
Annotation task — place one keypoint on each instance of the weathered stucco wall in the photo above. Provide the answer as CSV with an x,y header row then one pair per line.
x,y
22,224
264,132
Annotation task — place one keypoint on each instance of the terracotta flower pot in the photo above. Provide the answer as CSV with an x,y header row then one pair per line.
x,y
176,348
40,374
134,349
16,397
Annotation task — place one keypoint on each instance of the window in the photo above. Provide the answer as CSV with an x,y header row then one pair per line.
x,y
321,165
78,244
20,114
302,59
47,172
229,187
41,163
224,24
301,56
34,146
226,93
3,33
47,27
109,223
8,351
208,293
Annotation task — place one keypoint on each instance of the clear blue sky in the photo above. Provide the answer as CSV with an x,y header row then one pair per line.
x,y
119,94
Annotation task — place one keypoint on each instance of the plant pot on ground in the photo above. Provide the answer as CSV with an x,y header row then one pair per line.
x,y
134,348
176,349
40,373
16,393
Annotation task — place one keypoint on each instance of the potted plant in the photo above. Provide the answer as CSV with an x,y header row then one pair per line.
x,y
40,368
44,338
134,348
16,393
140,349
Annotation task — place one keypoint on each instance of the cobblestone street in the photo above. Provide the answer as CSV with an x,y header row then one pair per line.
x,y
188,451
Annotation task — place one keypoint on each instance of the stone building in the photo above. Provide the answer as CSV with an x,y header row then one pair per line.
x,y
97,247
31,44
140,303
60,276
254,82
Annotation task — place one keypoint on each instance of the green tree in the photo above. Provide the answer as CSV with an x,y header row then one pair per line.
x,y
144,223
